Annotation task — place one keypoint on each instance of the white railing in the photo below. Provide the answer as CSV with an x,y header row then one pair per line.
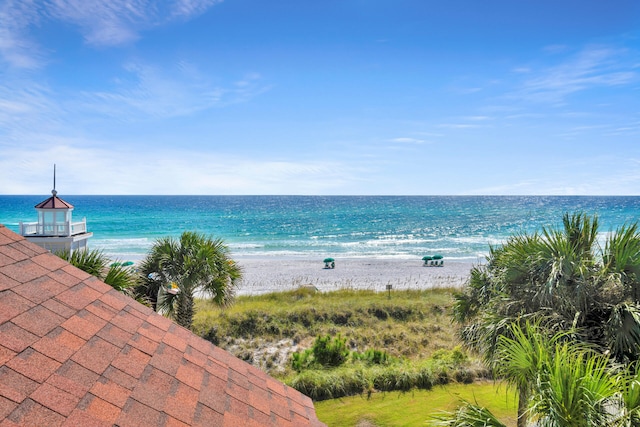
x,y
53,229
79,227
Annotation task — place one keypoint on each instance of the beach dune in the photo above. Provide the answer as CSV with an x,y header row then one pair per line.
x,y
272,275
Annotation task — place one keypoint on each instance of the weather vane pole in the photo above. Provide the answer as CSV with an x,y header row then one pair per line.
x,y
54,180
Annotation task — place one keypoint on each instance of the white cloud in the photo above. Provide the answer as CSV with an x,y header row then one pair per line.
x,y
457,125
112,22
100,22
408,141
83,170
16,47
189,8
148,91
595,66
478,118
586,175
25,106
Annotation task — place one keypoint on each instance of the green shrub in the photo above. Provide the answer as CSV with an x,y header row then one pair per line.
x,y
300,360
330,352
322,384
315,384
373,356
326,352
453,357
393,378
464,375
424,377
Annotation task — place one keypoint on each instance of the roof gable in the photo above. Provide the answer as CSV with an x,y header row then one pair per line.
x,y
74,351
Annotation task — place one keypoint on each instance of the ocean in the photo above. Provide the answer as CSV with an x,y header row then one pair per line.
x,y
393,227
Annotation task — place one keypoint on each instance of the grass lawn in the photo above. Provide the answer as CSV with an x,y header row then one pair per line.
x,y
415,407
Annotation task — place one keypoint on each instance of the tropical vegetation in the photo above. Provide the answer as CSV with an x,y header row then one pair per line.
x,y
566,382
348,342
176,270
562,279
96,263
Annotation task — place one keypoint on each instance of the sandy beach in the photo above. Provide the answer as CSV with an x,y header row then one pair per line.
x,y
270,275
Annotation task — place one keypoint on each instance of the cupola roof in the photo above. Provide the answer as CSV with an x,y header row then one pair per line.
x,y
54,202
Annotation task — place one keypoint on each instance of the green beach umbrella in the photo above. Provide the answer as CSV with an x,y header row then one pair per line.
x,y
127,264
437,257
427,258
328,260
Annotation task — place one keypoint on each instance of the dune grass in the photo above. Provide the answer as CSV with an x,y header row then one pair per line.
x,y
411,328
266,329
414,408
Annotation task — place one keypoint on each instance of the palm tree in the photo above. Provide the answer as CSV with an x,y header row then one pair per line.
x,y
563,280
96,263
177,270
564,277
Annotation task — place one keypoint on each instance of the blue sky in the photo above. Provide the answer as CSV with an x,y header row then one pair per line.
x,y
456,97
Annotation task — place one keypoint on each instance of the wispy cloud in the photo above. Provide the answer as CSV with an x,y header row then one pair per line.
x,y
25,106
458,125
100,22
16,47
593,67
111,22
410,141
85,169
189,8
595,174
154,92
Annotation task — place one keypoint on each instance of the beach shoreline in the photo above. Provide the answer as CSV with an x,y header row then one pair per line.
x,y
282,274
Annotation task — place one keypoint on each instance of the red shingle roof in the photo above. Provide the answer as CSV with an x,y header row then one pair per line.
x,y
54,202
75,352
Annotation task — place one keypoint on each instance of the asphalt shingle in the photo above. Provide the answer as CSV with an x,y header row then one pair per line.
x,y
74,351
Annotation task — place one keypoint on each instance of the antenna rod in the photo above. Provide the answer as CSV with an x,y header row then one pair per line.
x,y
54,192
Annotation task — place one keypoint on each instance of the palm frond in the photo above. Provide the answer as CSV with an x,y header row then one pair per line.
x,y
120,277
622,331
467,415
91,261
575,389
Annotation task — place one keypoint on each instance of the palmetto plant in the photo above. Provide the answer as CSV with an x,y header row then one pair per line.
x,y
96,263
468,415
566,384
563,278
177,270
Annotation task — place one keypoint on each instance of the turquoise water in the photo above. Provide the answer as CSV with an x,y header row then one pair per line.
x,y
458,227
